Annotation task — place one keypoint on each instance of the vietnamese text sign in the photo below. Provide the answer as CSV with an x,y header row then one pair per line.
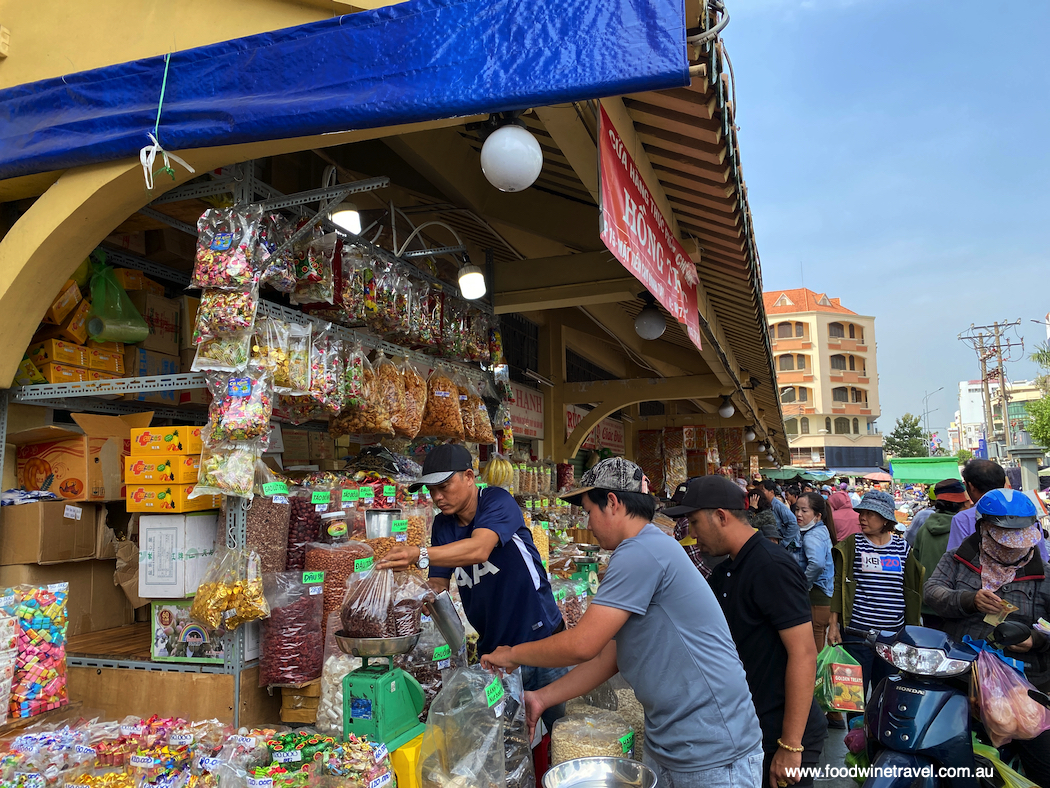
x,y
607,435
639,235
526,412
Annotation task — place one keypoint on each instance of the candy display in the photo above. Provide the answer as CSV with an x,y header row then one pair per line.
x,y
326,370
241,406
223,312
279,270
299,359
231,592
315,272
226,245
39,680
441,416
270,351
223,354
226,469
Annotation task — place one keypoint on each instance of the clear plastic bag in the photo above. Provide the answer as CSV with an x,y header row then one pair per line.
x,y
463,744
1006,709
354,378
225,312
292,646
453,329
357,285
223,354
382,313
226,249
409,594
227,469
428,331
299,359
279,270
231,591
517,749
304,526
594,734
299,410
428,662
339,562
375,419
441,416
389,388
317,286
325,370
407,426
476,345
266,526
336,666
270,350
480,425
366,611
572,600
113,318
466,415
241,406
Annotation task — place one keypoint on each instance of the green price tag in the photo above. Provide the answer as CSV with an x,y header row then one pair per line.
x,y
399,527
482,485
494,692
350,495
321,496
364,564
560,594
425,491
367,494
528,504
389,490
545,526
627,742
442,652
545,503
275,488
313,577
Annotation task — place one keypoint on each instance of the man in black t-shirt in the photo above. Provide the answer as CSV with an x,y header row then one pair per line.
x,y
763,594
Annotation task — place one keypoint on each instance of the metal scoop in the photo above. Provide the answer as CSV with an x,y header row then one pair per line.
x,y
447,620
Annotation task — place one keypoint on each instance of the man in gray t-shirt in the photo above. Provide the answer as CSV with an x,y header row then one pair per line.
x,y
656,621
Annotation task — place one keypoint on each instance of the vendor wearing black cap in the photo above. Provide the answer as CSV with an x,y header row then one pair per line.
x,y
481,539
765,598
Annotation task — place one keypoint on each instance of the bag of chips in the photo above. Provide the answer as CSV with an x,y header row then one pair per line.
x,y
389,388
441,416
407,425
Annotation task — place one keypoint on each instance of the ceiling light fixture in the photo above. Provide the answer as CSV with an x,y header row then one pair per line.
x,y
511,158
346,216
726,409
770,457
650,323
761,448
749,434
471,282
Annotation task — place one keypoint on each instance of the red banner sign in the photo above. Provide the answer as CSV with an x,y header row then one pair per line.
x,y
607,435
639,235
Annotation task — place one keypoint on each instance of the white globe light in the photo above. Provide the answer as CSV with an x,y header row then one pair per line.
x,y
347,216
761,448
650,324
770,457
749,435
471,282
511,158
726,409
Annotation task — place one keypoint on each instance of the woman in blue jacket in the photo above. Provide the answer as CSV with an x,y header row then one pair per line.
x,y
815,523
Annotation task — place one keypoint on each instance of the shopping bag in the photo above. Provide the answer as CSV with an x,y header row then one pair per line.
x,y
840,681
1006,709
113,317
1010,778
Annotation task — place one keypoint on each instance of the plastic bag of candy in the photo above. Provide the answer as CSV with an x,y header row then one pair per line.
x,y
225,312
279,270
231,591
227,469
299,359
326,369
304,266
428,331
270,350
453,329
381,307
226,249
353,390
318,284
476,342
441,416
241,406
357,285
223,354
299,410
407,424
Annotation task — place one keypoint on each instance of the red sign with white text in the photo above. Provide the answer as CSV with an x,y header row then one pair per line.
x,y
638,234
608,434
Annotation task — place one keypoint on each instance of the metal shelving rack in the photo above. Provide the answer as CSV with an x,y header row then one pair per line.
x,y
240,180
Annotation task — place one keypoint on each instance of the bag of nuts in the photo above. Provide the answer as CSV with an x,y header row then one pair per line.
x,y
338,562
442,417
291,647
595,734
266,528
368,603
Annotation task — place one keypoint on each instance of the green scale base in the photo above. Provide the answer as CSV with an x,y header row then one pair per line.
x,y
383,703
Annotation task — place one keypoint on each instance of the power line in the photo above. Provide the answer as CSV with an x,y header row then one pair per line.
x,y
991,344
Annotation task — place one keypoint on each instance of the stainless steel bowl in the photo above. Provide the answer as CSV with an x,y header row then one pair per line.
x,y
600,773
375,647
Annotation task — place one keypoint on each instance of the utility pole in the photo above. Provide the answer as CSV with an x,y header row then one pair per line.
x,y
990,342
986,396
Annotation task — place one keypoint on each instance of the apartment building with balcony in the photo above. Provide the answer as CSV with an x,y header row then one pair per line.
x,y
827,380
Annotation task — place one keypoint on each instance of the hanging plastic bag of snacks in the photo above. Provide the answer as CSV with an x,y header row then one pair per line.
x,y
504,423
299,358
381,307
353,390
480,417
389,387
299,410
304,524
223,354
266,526
241,406
279,270
400,323
453,329
325,352
357,414
304,265
226,249
318,284
231,591
430,303
375,416
465,413
225,312
357,285
476,347
366,611
227,469
270,350
292,647
407,425
441,416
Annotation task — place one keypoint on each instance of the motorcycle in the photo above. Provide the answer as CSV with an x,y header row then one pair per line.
x,y
918,721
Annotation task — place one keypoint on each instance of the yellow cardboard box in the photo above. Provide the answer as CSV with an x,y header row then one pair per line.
x,y
154,441
55,351
106,361
62,373
168,498
115,347
64,304
177,469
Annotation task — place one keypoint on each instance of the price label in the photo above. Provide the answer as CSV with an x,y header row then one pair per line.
x,y
58,588
260,782
367,494
209,764
6,601
399,527
239,387
444,664
141,760
316,590
494,692
275,488
181,739
73,512
545,502
244,741
482,485
380,781
528,504
364,564
130,730
389,490
280,499
627,742
351,495
289,756
313,577
321,508
228,614
320,496
380,753
82,749
442,652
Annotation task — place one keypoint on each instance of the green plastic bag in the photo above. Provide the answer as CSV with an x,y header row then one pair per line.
x,y
840,681
113,317
1011,779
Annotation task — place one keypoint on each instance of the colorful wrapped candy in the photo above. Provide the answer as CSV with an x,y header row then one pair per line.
x,y
226,241
358,284
316,272
223,354
299,359
241,406
279,270
224,312
270,350
326,370
227,469
39,681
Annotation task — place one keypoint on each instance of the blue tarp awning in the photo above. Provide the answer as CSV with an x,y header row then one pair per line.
x,y
417,61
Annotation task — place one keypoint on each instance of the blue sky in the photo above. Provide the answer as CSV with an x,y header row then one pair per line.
x,y
897,155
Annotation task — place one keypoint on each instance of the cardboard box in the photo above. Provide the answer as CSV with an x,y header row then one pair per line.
x,y
188,306
322,447
186,356
178,638
79,466
162,316
139,363
105,536
129,242
180,469
296,443
73,328
127,573
195,397
175,550
169,245
106,361
115,347
65,303
159,441
168,498
27,374
55,351
95,603
60,373
47,532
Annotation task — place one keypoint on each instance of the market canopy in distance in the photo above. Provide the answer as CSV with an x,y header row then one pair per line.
x,y
924,470
790,473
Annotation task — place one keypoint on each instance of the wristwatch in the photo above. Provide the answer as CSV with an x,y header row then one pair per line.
x,y
424,560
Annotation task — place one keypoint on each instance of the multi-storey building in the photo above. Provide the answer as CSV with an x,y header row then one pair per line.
x,y
827,379
969,427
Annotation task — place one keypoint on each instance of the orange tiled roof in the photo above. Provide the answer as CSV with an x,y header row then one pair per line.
x,y
802,300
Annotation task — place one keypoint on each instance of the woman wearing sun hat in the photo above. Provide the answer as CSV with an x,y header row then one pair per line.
x,y
999,563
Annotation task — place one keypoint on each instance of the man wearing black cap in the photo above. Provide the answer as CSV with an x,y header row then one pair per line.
x,y
764,596
480,538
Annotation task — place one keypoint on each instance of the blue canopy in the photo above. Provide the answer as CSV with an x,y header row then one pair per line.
x,y
417,61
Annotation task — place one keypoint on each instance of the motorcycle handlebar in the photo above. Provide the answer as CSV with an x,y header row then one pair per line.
x,y
861,633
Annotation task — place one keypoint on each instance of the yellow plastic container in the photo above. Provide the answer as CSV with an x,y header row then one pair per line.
x,y
408,766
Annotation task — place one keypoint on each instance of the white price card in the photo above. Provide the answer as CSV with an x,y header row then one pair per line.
x,y
73,512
